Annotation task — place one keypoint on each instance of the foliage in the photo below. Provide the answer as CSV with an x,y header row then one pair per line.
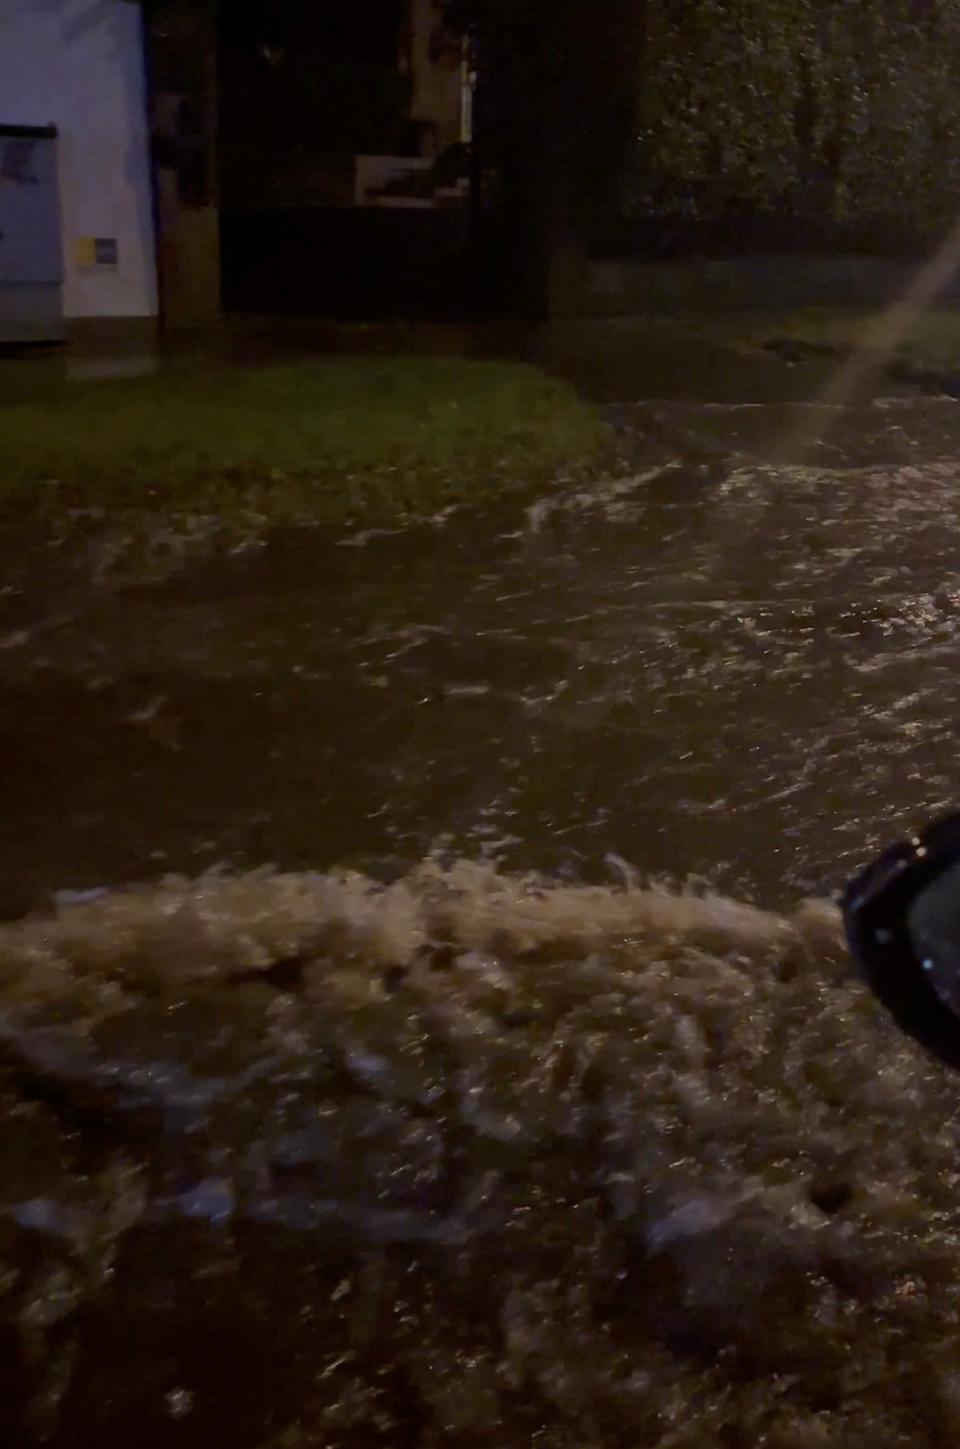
x,y
837,106
838,110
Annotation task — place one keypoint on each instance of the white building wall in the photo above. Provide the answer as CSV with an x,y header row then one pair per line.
x,y
78,64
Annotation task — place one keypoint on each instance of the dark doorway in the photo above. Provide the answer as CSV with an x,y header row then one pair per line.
x,y
304,91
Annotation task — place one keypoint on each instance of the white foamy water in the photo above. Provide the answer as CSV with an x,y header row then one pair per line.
x,y
595,1162
479,1155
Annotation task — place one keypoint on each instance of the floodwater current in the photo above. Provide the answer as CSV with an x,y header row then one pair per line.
x,y
707,667
481,1071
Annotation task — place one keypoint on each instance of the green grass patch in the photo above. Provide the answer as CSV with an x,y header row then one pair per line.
x,y
327,440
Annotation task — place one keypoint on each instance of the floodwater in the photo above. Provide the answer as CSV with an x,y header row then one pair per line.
x,y
452,1129
708,666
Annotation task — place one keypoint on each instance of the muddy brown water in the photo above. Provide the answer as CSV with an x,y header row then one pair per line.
x,y
706,666
452,1130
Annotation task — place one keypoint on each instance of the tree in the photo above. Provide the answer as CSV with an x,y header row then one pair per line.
x,y
842,109
845,113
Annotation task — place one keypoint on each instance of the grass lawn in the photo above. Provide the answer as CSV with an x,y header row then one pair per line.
x,y
324,440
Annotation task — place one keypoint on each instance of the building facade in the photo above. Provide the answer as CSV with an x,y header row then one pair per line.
x,y
72,74
112,192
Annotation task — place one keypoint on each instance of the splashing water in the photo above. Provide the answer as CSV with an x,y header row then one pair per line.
x,y
520,1161
476,1157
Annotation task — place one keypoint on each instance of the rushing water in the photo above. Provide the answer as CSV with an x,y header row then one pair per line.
x,y
502,1147
707,667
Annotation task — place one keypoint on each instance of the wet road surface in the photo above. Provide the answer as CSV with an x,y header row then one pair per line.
x,y
446,1154
708,666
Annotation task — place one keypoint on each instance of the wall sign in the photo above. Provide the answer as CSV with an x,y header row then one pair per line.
x,y
95,251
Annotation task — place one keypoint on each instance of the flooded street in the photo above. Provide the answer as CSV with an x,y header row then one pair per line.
x,y
452,1130
706,667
